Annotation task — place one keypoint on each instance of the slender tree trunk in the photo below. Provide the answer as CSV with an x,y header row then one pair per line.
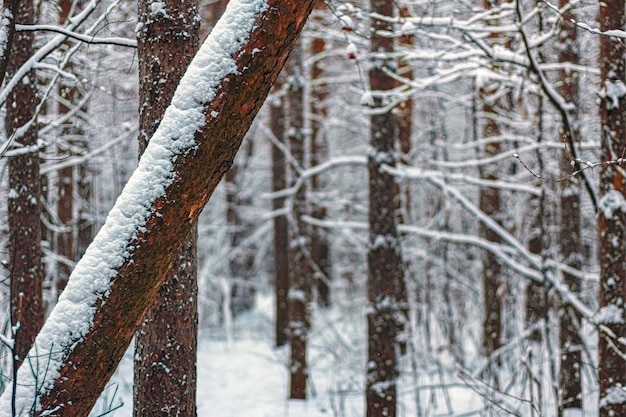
x,y
612,214
570,342
320,246
489,203
24,207
300,273
65,236
385,268
281,225
165,344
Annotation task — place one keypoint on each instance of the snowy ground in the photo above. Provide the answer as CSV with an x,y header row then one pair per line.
x,y
241,374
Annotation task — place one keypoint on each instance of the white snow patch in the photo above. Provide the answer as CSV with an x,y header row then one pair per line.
x,y
612,202
610,314
296,294
614,395
72,317
158,8
615,90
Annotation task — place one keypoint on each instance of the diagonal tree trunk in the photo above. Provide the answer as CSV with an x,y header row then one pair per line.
x,y
115,282
612,214
385,268
24,208
165,344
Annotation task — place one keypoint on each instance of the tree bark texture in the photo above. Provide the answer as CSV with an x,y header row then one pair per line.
x,y
320,245
489,203
65,237
9,11
612,215
385,269
300,272
166,342
24,207
84,361
281,224
570,342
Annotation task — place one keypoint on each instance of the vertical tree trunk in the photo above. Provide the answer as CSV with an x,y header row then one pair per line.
x,y
24,208
385,268
320,246
240,265
612,214
65,236
536,302
165,344
570,342
281,225
300,273
489,203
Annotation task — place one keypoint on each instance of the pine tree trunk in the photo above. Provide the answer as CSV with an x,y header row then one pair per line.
x,y
489,203
65,239
24,207
570,342
320,246
612,215
165,344
385,268
300,273
281,225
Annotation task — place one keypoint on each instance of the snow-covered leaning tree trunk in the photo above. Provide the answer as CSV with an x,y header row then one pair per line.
x,y
612,214
166,342
117,279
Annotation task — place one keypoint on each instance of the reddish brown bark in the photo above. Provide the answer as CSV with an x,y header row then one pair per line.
x,y
300,273
165,344
320,246
385,269
570,342
489,203
24,208
281,226
92,360
611,218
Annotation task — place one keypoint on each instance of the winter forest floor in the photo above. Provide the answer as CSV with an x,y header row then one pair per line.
x,y
241,374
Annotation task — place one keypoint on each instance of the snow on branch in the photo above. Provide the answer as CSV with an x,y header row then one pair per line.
x,y
93,40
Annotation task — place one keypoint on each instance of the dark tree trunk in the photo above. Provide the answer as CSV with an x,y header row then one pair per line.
x,y
70,131
489,203
281,225
165,344
320,246
385,268
570,342
240,265
300,273
612,215
24,207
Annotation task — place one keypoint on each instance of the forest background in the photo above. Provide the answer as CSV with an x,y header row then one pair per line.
x,y
497,213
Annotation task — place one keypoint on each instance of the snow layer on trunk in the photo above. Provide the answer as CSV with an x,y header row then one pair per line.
x,y
90,281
